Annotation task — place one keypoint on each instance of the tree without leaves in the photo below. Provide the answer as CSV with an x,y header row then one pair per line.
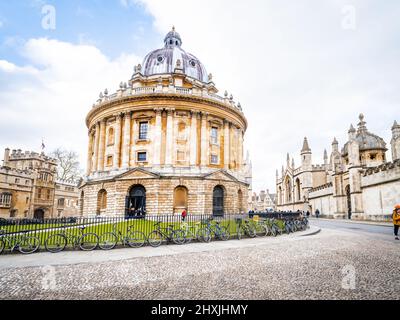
x,y
68,164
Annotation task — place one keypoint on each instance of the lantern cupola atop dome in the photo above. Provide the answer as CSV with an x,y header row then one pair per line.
x,y
172,39
164,60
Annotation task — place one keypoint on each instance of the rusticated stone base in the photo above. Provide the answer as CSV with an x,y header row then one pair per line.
x,y
160,192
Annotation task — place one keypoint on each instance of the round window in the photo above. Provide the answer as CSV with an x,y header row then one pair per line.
x,y
160,59
192,63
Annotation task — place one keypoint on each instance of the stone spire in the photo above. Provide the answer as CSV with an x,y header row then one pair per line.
x,y
292,163
395,142
306,147
352,132
325,155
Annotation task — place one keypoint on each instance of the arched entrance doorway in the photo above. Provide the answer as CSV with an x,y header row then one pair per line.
x,y
135,205
38,214
348,195
218,201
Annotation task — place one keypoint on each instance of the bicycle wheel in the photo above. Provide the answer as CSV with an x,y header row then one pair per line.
x,y
273,231
29,245
108,241
136,239
2,246
225,235
55,243
88,242
178,237
251,232
155,239
204,235
189,236
265,230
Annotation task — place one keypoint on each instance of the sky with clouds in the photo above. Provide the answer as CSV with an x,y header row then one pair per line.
x,y
299,68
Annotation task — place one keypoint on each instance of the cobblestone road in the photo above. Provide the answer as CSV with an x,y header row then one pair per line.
x,y
299,267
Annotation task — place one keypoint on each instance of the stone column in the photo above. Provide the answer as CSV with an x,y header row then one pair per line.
x,y
233,145
169,137
117,145
102,141
204,140
157,137
240,149
127,140
227,149
193,137
90,150
96,147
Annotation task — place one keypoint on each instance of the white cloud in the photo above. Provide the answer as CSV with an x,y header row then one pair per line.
x,y
51,96
293,67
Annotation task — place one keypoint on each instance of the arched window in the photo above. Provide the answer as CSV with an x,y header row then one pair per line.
x,y
180,199
110,139
135,205
288,190
101,202
218,201
181,131
298,190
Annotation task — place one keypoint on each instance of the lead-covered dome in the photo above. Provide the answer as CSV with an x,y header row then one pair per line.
x,y
165,60
365,139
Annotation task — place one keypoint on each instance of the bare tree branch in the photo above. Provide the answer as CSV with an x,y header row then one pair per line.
x,y
68,164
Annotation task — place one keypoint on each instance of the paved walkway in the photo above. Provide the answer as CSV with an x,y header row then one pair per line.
x,y
333,264
76,257
375,223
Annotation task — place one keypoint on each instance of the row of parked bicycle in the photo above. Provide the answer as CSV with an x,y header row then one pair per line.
x,y
203,231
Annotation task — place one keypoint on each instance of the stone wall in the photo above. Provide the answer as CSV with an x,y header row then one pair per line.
x,y
160,195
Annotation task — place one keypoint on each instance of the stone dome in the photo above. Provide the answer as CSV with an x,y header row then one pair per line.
x,y
365,139
165,60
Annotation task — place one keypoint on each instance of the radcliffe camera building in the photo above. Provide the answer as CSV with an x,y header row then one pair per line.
x,y
354,182
166,141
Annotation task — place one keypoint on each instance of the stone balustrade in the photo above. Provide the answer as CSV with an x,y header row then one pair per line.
x,y
105,98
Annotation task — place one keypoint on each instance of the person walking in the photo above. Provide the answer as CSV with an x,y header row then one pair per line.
x,y
184,214
317,213
396,221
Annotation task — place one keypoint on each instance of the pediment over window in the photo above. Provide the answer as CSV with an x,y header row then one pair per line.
x,y
137,173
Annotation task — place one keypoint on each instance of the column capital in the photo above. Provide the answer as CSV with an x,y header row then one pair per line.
x,y
128,114
204,115
158,111
227,123
194,112
169,111
118,115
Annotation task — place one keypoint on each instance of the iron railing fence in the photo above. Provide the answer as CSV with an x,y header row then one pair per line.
x,y
75,226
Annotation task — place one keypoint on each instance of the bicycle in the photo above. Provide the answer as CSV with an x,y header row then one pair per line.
x,y
23,243
261,227
85,241
246,229
108,240
194,232
156,237
217,231
273,227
